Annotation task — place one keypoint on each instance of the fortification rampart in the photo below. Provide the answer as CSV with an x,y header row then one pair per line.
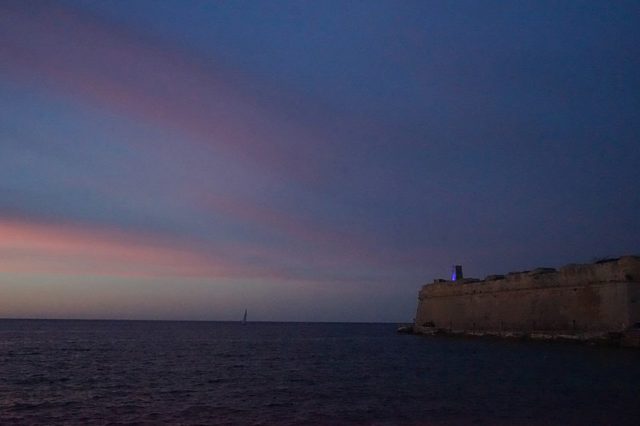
x,y
593,301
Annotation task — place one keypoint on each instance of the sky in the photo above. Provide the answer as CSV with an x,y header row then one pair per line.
x,y
306,160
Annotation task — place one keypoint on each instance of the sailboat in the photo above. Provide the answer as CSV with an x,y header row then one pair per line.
x,y
244,318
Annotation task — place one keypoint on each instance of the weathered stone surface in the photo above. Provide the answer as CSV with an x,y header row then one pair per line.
x,y
584,302
539,271
494,277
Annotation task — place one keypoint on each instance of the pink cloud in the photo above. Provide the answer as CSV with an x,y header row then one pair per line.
x,y
78,55
64,249
325,246
105,65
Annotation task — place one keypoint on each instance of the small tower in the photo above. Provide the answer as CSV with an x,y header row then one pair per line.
x,y
456,273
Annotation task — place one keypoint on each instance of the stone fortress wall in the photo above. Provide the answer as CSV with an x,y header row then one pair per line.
x,y
583,301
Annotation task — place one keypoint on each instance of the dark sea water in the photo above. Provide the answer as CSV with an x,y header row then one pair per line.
x,y
130,372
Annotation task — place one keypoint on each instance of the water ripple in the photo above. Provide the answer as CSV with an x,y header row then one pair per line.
x,y
118,372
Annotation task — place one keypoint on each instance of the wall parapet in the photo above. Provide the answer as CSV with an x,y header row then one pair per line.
x,y
623,269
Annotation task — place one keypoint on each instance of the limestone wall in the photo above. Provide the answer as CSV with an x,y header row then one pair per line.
x,y
599,297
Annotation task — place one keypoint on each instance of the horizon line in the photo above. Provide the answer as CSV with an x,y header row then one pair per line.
x,y
199,320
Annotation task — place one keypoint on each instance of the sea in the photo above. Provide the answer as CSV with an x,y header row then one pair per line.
x,y
223,373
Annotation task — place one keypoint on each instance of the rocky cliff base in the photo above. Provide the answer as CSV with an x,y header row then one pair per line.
x,y
628,338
